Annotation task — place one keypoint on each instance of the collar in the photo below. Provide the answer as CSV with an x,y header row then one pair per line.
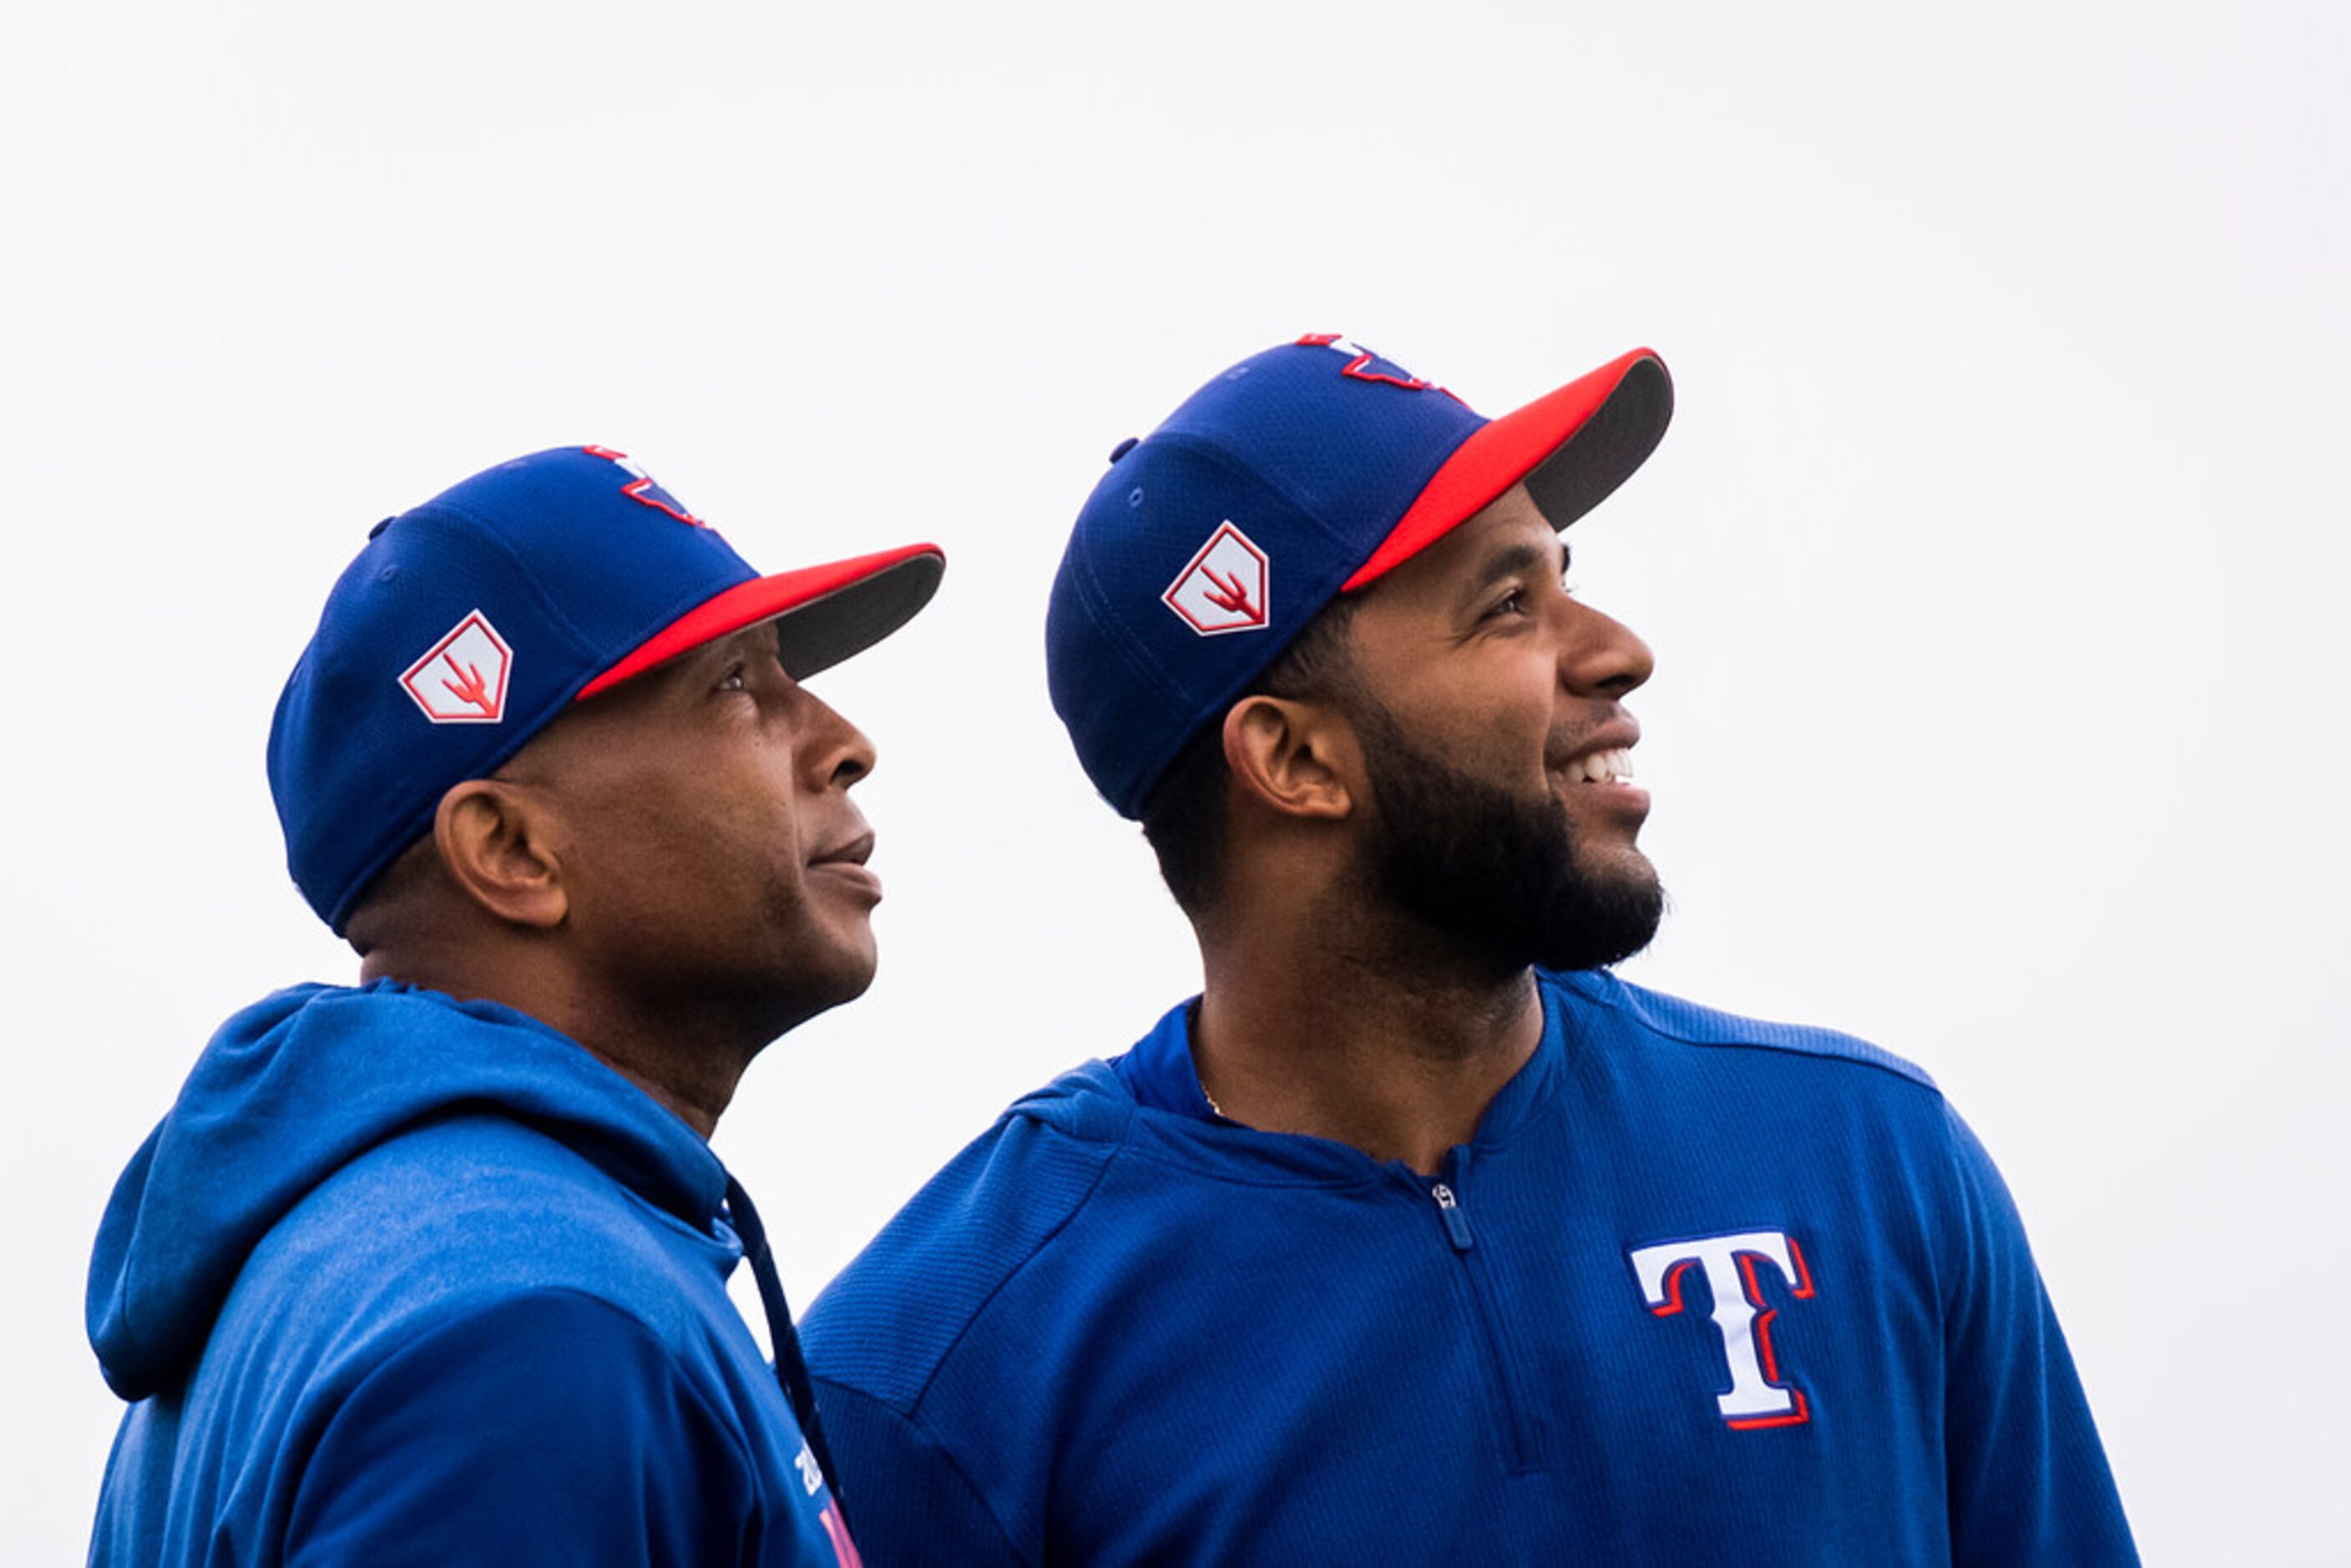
x,y
1158,1071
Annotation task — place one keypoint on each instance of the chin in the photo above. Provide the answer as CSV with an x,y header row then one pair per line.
x,y
1624,874
1614,919
847,972
812,971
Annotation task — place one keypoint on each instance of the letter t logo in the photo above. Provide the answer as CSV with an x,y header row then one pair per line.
x,y
1757,1397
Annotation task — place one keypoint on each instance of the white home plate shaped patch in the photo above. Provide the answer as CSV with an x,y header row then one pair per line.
x,y
464,679
1223,589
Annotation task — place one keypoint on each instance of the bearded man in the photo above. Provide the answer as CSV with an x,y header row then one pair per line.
x,y
1418,1237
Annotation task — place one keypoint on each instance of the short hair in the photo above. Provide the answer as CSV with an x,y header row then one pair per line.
x,y
1184,820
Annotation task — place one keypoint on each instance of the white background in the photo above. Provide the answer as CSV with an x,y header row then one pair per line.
x,y
1992,563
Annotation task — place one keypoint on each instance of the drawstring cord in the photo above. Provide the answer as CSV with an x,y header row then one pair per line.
x,y
791,1369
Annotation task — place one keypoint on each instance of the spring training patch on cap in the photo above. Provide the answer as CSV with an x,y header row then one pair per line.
x,y
464,679
1223,589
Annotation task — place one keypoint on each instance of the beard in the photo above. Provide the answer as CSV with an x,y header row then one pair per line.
x,y
1498,877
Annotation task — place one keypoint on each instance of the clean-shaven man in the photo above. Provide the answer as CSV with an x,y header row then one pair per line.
x,y
432,1269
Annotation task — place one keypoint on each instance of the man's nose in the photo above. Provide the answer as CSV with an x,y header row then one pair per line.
x,y
836,752
1600,656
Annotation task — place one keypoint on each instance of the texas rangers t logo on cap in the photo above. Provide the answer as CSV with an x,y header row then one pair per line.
x,y
1223,589
1363,364
643,488
463,680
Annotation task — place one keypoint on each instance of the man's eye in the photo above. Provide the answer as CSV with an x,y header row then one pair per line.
x,y
735,679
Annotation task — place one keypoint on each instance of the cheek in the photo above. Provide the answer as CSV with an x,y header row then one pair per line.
x,y
684,838
1500,730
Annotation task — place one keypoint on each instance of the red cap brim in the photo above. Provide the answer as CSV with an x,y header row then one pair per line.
x,y
825,613
1572,447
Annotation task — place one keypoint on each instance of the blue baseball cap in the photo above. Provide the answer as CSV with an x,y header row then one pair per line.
x,y
1300,474
468,624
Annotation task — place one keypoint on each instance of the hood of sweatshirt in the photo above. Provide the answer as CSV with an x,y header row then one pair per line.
x,y
297,1086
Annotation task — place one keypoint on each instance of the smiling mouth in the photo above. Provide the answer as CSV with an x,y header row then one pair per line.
x,y
1612,767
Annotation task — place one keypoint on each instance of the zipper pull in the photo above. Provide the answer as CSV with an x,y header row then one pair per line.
x,y
1456,1224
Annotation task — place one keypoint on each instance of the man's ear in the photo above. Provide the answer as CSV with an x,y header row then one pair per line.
x,y
1297,758
494,839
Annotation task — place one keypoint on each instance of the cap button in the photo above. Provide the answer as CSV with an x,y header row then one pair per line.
x,y
381,526
1123,447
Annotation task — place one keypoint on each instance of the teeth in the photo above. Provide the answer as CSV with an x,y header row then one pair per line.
x,y
1606,767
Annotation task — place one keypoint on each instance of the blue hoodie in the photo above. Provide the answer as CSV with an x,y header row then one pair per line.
x,y
405,1279
1700,1289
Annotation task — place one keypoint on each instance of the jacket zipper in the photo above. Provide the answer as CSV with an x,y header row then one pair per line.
x,y
1518,1447
1456,1224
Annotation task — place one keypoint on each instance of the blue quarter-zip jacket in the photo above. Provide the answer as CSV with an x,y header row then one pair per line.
x,y
401,1280
1700,1289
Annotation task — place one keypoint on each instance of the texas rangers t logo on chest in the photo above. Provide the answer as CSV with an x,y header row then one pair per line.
x,y
1759,1396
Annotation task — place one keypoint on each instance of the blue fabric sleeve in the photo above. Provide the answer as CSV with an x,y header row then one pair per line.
x,y
915,1508
551,1428
2029,1480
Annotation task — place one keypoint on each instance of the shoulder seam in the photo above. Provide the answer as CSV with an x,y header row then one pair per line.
x,y
979,1308
636,1322
914,1423
1925,1085
1917,1077
735,1438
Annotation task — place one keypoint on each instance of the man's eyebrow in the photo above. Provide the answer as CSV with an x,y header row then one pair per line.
x,y
1517,561
726,646
694,662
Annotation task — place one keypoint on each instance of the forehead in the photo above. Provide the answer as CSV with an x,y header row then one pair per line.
x,y
691,670
1508,537
646,711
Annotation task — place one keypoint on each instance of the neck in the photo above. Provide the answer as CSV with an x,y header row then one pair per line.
x,y
1358,1037
688,1061
687,1057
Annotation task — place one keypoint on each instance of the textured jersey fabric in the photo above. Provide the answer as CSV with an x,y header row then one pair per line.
x,y
401,1280
1700,1289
